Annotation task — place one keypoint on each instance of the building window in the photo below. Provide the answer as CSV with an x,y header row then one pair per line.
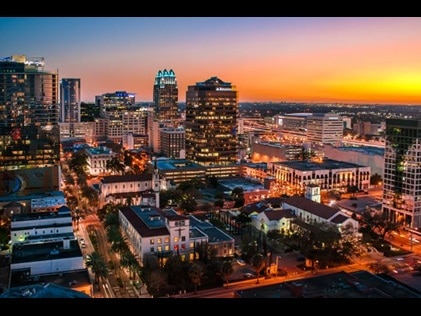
x,y
176,239
152,249
183,238
167,239
152,241
159,240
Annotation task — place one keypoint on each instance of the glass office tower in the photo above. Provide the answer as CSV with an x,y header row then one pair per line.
x,y
70,102
29,131
165,95
402,172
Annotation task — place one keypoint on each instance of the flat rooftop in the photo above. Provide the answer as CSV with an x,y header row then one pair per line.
x,y
214,234
326,164
43,250
359,284
248,186
174,164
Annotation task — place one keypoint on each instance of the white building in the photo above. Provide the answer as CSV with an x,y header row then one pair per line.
x,y
328,174
117,189
154,232
44,243
325,128
97,159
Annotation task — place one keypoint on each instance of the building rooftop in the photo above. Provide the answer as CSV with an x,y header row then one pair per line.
x,y
45,250
359,284
61,213
47,290
326,164
246,185
174,164
359,205
214,234
315,208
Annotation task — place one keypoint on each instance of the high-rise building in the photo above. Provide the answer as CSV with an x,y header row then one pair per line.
x,y
29,131
70,103
115,101
69,100
402,171
211,122
173,142
165,95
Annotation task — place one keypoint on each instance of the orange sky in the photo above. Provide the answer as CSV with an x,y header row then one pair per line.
x,y
308,59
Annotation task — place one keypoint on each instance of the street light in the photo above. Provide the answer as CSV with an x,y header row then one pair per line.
x,y
277,264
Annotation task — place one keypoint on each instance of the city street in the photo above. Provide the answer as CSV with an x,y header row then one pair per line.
x,y
110,287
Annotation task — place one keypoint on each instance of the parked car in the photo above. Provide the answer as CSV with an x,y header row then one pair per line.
x,y
241,262
248,275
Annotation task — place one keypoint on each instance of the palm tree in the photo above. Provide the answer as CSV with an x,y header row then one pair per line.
x,y
115,165
227,270
129,261
258,262
98,266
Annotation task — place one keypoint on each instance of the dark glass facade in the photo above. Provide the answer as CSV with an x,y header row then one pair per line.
x,y
402,172
211,122
165,95
29,131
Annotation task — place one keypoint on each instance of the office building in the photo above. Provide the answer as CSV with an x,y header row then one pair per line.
x,y
165,95
30,135
211,122
325,128
173,142
402,171
70,102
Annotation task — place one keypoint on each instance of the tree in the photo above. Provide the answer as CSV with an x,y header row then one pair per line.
x,y
188,203
305,154
227,270
378,224
376,179
98,266
115,166
258,262
195,274
79,163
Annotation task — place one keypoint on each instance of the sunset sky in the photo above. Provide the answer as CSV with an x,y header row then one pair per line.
x,y
308,59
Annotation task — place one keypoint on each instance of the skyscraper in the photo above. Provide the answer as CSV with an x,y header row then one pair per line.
x,y
29,132
165,95
211,122
402,171
70,102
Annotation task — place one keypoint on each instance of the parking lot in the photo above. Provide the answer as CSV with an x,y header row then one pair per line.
x,y
286,262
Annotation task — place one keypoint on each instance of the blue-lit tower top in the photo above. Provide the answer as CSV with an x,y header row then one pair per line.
x,y
165,95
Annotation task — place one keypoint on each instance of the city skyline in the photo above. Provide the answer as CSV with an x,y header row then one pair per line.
x,y
306,59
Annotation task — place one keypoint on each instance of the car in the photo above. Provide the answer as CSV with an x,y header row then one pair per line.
x,y
241,262
248,275
399,259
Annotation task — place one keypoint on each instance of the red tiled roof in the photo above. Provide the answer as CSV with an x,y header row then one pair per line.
x,y
274,215
127,178
315,208
140,226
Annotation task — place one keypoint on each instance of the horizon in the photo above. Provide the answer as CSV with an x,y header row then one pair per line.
x,y
333,60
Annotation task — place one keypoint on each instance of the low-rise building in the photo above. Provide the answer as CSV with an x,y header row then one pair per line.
x,y
151,231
